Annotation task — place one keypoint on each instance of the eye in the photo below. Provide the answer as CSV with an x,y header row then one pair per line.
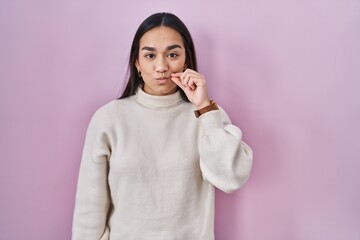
x,y
173,55
150,56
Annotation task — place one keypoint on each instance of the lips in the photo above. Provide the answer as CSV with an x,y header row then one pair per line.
x,y
162,78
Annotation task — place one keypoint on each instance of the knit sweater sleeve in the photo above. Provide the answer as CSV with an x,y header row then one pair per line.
x,y
92,197
225,160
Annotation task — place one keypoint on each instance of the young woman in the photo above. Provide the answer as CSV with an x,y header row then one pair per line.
x,y
149,164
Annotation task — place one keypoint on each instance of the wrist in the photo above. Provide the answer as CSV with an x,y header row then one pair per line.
x,y
203,104
210,107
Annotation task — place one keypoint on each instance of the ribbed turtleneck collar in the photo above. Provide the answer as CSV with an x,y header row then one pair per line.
x,y
158,102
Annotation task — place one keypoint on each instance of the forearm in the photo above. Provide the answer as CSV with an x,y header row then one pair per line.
x,y
225,160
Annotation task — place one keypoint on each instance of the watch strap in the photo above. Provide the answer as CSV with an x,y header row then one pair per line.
x,y
211,107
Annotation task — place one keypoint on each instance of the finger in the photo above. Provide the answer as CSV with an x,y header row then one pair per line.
x,y
183,77
199,81
178,74
189,75
192,72
191,83
186,79
178,82
189,78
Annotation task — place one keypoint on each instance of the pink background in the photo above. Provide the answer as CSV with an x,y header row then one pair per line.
x,y
286,72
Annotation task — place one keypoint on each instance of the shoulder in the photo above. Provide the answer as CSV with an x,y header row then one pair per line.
x,y
104,110
114,106
111,110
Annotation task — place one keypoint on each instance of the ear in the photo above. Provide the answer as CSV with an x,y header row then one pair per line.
x,y
137,65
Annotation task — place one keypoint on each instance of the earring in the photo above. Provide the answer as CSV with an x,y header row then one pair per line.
x,y
139,73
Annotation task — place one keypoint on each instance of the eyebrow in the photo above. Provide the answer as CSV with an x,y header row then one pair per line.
x,y
171,47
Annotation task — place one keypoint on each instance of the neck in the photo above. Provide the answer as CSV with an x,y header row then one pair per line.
x,y
158,102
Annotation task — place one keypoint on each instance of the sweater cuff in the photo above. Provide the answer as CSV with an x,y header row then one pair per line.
x,y
211,121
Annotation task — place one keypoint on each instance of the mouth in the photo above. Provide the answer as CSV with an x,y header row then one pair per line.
x,y
163,78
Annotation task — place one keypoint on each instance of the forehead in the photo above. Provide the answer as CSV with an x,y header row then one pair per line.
x,y
161,37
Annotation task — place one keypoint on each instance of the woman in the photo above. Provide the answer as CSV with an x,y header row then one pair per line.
x,y
149,165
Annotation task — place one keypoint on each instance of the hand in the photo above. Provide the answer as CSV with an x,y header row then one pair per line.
x,y
194,86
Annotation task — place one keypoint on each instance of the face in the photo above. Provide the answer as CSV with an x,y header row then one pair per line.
x,y
161,52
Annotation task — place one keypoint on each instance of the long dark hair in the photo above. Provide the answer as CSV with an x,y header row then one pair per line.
x,y
157,20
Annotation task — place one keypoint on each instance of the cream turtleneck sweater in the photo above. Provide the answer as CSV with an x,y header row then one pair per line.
x,y
149,169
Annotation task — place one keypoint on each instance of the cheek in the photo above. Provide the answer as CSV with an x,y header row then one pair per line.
x,y
178,65
145,66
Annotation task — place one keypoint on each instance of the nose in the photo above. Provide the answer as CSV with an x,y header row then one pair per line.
x,y
161,65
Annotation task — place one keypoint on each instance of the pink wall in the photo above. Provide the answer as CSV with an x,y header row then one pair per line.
x,y
287,73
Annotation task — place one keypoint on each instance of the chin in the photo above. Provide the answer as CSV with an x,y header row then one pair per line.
x,y
168,91
161,90
165,90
